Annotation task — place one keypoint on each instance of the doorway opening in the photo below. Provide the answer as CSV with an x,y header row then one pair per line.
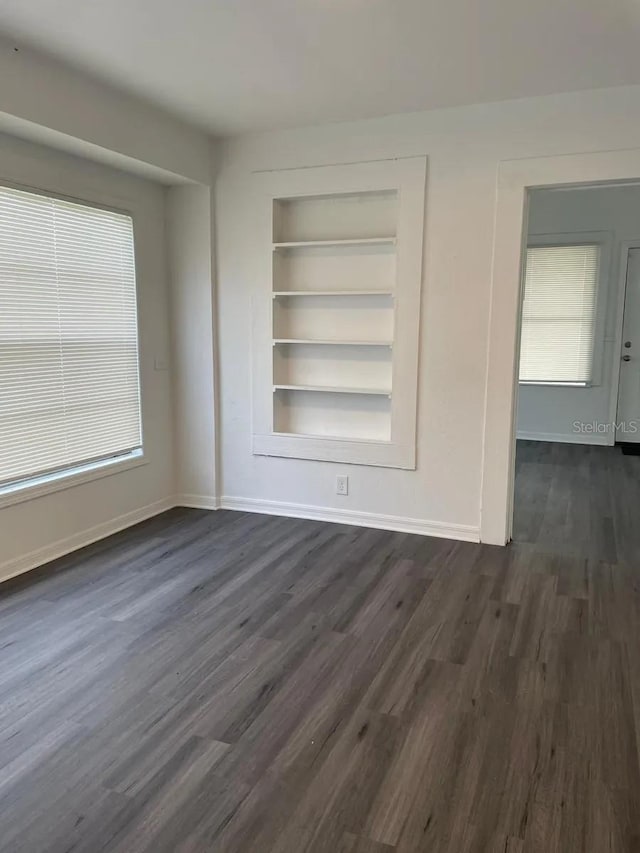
x,y
577,464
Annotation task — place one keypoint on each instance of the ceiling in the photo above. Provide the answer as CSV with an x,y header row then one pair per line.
x,y
238,65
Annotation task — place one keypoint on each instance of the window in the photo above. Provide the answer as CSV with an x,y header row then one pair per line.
x,y
69,386
558,314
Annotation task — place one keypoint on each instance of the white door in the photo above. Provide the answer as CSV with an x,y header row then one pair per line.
x,y
628,419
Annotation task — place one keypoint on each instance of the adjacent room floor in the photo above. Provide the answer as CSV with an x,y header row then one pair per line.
x,y
578,499
236,682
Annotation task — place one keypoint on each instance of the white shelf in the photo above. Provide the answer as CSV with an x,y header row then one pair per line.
x,y
318,436
358,241
284,293
335,389
333,343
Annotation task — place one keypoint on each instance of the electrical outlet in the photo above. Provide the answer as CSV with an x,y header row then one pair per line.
x,y
342,485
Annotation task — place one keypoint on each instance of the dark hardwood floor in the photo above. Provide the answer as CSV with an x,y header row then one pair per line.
x,y
578,500
235,682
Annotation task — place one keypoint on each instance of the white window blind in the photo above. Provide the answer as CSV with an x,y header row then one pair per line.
x,y
69,387
558,314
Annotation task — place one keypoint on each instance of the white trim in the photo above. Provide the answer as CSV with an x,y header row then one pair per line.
x,y
197,501
37,487
382,454
462,532
514,179
407,177
566,437
25,563
34,559
623,269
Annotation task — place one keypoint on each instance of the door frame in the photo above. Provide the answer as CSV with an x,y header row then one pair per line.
x,y
623,271
515,178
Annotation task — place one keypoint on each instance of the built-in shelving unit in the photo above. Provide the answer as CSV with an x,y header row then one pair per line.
x,y
350,233
337,291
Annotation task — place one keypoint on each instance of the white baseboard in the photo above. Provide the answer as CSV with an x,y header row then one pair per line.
x,y
566,437
27,562
197,501
463,532
19,565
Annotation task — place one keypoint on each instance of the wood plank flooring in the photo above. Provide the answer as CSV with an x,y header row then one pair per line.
x,y
578,500
235,682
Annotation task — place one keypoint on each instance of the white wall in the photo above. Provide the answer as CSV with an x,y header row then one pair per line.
x,y
189,224
547,413
36,530
46,101
464,148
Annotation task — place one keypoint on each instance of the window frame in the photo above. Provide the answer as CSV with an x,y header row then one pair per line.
x,y
602,239
32,487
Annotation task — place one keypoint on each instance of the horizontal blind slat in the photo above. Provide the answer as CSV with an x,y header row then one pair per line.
x,y
69,383
559,313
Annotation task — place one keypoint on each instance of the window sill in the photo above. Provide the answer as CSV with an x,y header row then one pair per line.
x,y
557,384
40,486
